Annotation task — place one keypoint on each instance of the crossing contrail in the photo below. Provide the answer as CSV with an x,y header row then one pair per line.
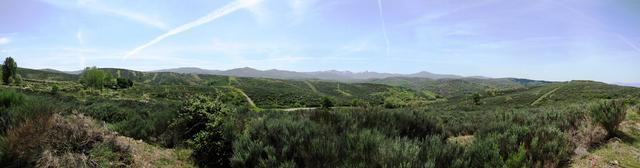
x,y
225,10
384,26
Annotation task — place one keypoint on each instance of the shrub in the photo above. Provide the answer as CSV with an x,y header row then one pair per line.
x,y
55,89
10,98
609,113
56,141
485,152
517,160
200,122
124,83
327,103
476,97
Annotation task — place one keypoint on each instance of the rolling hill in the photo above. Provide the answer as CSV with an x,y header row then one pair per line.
x,y
322,75
458,87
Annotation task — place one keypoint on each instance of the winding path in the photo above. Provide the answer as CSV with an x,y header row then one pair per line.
x,y
548,94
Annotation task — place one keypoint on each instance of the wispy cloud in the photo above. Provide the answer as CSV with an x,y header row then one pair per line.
x,y
96,6
225,10
80,54
4,40
384,27
80,37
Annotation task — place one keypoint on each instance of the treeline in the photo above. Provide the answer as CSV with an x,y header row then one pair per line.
x,y
93,77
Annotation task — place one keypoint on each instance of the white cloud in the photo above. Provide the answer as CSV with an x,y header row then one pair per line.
x,y
4,40
225,10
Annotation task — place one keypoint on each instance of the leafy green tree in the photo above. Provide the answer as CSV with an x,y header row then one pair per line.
x,y
9,71
609,113
327,103
95,78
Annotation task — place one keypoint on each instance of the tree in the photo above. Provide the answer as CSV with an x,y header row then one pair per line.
x,y
327,103
9,71
95,78
609,113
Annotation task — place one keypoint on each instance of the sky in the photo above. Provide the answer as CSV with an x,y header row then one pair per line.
x,y
537,39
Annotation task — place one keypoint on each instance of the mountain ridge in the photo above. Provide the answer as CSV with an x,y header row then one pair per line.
x,y
322,75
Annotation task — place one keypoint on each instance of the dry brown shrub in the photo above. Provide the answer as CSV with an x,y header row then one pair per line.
x,y
56,141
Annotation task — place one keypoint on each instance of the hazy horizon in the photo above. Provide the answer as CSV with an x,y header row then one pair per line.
x,y
543,39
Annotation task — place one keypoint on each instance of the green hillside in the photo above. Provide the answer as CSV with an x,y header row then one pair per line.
x,y
459,87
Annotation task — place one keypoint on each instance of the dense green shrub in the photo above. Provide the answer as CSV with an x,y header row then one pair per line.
x,y
10,98
55,89
476,97
609,113
200,122
327,103
124,83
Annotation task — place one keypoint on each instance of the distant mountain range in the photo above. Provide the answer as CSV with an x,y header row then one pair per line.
x,y
322,75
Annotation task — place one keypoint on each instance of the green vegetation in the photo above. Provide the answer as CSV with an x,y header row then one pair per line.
x,y
609,113
185,120
9,98
9,72
327,103
93,77
199,122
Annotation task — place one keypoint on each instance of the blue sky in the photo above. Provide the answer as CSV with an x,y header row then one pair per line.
x,y
538,39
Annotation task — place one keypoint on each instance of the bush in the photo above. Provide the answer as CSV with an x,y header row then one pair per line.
x,y
476,97
56,141
124,83
200,122
327,103
55,89
609,113
10,98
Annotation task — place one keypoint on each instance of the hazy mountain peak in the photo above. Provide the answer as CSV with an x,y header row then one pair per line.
x,y
324,75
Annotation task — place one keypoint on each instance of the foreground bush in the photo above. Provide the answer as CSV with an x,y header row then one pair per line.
x,y
56,141
200,123
10,98
609,113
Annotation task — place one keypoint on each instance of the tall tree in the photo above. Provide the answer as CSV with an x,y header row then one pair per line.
x,y
95,78
9,70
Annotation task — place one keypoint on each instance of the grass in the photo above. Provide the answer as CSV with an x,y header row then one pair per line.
x,y
625,152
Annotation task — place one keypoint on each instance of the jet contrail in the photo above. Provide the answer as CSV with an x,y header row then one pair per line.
x,y
384,25
227,9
